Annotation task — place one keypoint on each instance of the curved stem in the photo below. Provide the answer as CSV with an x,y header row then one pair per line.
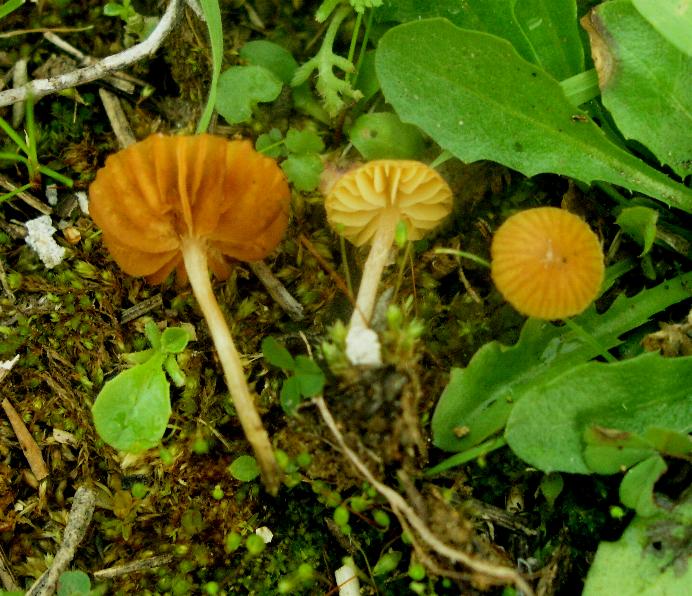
x,y
195,260
373,268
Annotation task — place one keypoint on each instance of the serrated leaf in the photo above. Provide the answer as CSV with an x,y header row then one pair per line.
x,y
671,18
483,101
480,397
637,486
244,468
269,144
132,410
303,171
276,354
303,141
310,377
241,88
546,427
645,82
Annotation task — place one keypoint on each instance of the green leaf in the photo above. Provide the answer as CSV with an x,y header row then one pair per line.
x,y
212,16
290,397
609,451
303,171
244,468
382,135
480,397
671,18
546,427
310,377
669,442
633,566
174,340
640,224
303,141
387,563
551,486
645,82
241,88
276,354
275,58
74,583
551,28
637,487
132,410
483,101
269,143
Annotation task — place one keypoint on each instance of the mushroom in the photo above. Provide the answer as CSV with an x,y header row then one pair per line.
x,y
187,203
547,263
366,204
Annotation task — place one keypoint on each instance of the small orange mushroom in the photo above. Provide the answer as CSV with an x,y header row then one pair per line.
x,y
366,205
547,263
188,203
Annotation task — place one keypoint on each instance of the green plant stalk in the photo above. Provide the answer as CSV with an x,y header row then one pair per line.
x,y
7,196
466,456
354,37
464,255
212,14
344,260
195,259
10,6
12,133
30,123
364,44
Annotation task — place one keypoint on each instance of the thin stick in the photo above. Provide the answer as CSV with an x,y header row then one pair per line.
x,y
40,87
402,509
26,441
195,260
277,290
133,567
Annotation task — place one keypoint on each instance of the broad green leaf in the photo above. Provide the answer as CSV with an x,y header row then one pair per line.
x,y
382,135
290,397
310,376
640,224
244,468
132,410
276,354
609,451
490,16
551,28
269,143
478,99
275,58
241,88
478,399
637,486
669,442
646,82
634,566
174,340
303,171
74,583
671,18
546,427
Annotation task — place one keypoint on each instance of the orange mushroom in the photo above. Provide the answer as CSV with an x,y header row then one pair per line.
x,y
188,203
366,205
547,263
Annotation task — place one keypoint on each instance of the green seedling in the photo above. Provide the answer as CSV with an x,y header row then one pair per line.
x,y
30,158
131,412
137,26
301,150
244,468
306,381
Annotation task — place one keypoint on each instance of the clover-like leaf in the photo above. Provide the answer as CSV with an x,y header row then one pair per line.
x,y
241,88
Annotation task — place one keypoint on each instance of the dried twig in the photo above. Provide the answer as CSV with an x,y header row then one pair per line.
x,y
277,291
6,576
77,525
26,441
29,199
405,512
117,118
134,567
40,87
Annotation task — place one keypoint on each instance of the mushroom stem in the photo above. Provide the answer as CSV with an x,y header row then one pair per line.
x,y
374,266
195,258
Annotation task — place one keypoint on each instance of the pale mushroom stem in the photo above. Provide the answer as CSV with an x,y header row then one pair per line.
x,y
373,268
195,258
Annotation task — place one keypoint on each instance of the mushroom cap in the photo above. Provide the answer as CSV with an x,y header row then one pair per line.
x,y
362,197
151,196
547,263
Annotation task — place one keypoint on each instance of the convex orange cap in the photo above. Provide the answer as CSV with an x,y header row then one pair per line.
x,y
154,194
547,263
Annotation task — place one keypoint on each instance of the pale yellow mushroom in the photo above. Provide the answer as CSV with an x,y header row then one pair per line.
x,y
366,204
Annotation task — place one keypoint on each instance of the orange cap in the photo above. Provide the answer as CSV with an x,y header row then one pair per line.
x,y
547,263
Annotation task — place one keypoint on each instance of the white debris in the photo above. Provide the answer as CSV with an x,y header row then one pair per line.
x,y
347,581
363,346
265,534
40,238
52,194
83,201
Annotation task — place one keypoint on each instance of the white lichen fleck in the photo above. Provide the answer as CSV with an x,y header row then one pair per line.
x,y
40,238
265,534
363,347
83,201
